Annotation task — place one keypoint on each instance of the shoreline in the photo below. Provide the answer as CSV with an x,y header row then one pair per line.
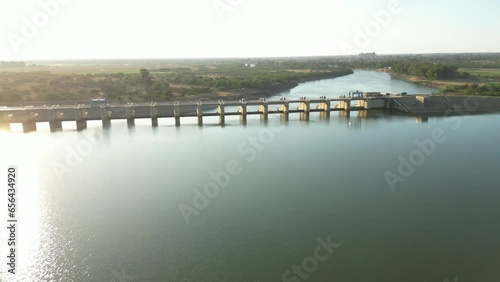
x,y
408,78
442,84
231,95
255,94
419,81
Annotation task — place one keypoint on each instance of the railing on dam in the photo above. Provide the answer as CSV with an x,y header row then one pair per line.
x,y
55,115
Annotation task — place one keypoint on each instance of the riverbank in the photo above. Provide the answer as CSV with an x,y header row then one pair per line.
x,y
441,84
18,89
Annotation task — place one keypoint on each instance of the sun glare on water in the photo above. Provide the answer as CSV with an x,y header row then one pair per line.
x,y
35,246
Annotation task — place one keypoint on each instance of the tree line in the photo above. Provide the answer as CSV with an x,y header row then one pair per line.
x,y
425,70
249,80
148,85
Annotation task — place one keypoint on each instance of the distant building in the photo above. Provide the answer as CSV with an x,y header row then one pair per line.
x,y
368,55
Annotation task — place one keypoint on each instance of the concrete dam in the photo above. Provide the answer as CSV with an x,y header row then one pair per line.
x,y
411,104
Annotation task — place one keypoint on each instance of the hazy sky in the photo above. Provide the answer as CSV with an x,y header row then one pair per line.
x,y
88,29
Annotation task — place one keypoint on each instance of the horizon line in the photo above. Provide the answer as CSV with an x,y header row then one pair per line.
x,y
240,57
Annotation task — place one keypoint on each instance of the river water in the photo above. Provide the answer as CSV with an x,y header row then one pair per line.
x,y
368,197
364,81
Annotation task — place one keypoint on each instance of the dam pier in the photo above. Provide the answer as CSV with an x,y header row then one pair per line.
x,y
304,107
80,114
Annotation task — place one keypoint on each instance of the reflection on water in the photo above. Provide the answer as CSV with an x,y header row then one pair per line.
x,y
421,119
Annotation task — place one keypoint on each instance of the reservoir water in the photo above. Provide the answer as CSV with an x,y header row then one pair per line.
x,y
364,81
366,197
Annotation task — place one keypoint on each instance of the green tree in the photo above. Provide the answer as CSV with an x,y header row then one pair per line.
x,y
147,80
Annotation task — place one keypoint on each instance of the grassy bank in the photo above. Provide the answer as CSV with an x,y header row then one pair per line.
x,y
493,73
471,85
442,83
488,89
203,80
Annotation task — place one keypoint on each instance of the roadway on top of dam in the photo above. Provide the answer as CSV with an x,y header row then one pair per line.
x,y
159,104
410,104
